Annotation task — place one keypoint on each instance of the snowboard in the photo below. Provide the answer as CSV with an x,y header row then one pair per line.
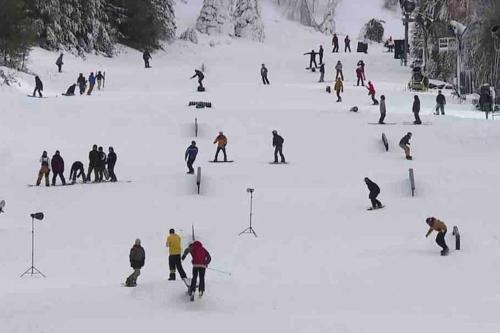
x,y
411,123
279,163
382,124
2,205
125,285
36,96
371,208
230,161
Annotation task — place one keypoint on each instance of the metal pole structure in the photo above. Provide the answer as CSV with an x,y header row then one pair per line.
x,y
459,64
251,206
407,19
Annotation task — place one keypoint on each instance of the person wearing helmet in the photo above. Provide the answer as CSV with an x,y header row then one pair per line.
x,y
174,258
405,145
221,142
190,156
200,260
278,147
137,258
440,227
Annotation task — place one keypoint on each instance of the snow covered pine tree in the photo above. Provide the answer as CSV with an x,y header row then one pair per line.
x,y
213,15
248,21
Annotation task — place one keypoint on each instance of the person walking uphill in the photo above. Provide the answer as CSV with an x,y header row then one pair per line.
x,y
200,260
404,143
137,259
146,56
382,110
339,87
312,59
335,43
57,164
338,69
190,156
416,110
82,83
440,103
440,227
44,169
374,192
91,83
174,255
263,74
38,87
93,160
221,142
278,147
59,63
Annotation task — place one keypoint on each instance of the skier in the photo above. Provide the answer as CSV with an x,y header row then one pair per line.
x,y
44,169
371,92
71,90
278,147
91,83
339,87
440,227
174,255
359,76
100,80
111,161
38,87
347,43
321,73
320,53
335,43
201,259
146,56
263,74
59,62
77,170
374,192
338,69
416,110
101,164
440,102
137,258
221,141
200,76
82,83
57,164
361,63
312,59
404,143
382,110
190,156
93,159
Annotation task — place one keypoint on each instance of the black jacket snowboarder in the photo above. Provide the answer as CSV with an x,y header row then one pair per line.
x,y
146,56
93,159
416,110
190,156
77,170
440,103
335,43
374,192
59,62
38,87
82,83
312,59
200,75
278,147
111,164
57,164
263,74
320,53
347,43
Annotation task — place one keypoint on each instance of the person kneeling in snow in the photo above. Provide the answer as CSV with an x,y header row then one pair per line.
x,y
440,227
201,259
137,258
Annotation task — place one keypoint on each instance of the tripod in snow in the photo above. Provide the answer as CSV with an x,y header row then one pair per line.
x,y
33,270
250,230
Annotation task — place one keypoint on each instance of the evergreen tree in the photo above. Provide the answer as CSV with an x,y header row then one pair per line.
x,y
248,21
213,15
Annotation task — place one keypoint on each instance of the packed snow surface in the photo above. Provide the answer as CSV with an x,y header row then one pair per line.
x,y
321,261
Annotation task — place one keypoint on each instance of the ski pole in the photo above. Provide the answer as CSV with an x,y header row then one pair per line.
x,y
219,271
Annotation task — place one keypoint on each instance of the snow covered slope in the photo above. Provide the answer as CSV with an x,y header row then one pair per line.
x,y
321,263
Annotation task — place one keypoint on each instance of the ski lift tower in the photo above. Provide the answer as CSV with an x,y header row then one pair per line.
x,y
407,7
459,30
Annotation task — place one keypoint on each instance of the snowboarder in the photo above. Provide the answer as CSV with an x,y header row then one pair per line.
x,y
91,83
174,255
100,80
93,160
71,90
190,156
44,169
440,227
38,87
416,110
382,110
111,161
77,170
137,259
200,260
335,43
404,143
101,164
312,59
374,192
390,44
59,62
221,141
361,63
339,72
440,103
359,76
320,53
347,43
263,74
278,147
371,92
321,73
57,164
199,74
82,83
146,56
339,87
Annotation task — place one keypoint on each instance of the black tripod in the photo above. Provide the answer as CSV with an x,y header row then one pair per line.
x,y
33,270
249,230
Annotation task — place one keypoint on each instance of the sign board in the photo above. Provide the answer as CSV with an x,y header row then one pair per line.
x,y
448,44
